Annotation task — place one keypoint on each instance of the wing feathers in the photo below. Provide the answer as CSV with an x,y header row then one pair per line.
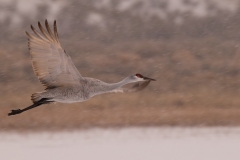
x,y
50,62
55,30
49,30
44,32
38,34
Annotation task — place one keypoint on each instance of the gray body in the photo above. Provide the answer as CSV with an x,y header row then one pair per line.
x,y
87,88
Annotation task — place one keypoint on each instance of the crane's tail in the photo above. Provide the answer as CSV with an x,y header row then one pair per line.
x,y
36,97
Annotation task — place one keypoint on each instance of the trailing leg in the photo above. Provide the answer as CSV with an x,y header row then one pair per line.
x,y
36,104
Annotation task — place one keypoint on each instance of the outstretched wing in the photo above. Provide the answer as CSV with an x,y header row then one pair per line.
x,y
135,88
51,64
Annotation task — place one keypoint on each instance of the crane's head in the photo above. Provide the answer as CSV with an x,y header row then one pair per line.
x,y
138,77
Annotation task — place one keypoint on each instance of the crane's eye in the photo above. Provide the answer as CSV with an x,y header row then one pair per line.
x,y
139,75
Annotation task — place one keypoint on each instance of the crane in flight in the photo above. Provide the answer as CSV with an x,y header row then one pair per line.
x,y
56,71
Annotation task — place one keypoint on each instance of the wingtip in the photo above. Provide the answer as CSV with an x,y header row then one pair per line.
x,y
27,34
32,27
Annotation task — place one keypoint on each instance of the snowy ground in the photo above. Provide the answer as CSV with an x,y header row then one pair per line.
x,y
124,144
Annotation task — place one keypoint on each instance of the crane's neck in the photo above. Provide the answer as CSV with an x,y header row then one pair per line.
x,y
100,87
113,86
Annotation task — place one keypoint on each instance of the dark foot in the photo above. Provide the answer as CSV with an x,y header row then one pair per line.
x,y
18,111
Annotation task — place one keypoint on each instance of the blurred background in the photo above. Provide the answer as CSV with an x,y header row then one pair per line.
x,y
190,46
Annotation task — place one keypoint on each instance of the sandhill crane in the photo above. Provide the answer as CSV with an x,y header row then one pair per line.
x,y
56,71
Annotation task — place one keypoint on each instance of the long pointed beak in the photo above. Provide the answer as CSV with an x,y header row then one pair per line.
x,y
146,78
